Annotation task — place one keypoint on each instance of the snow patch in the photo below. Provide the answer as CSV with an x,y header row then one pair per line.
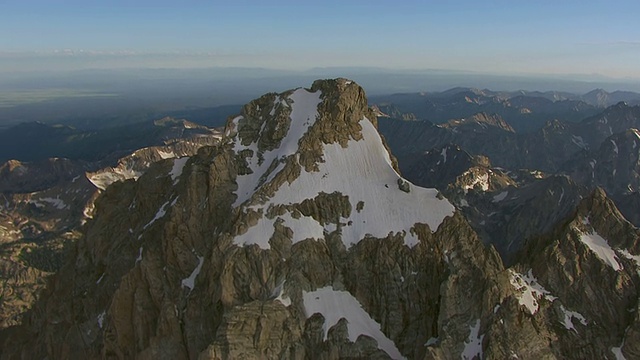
x,y
56,202
617,352
176,170
567,321
443,153
190,281
161,212
329,228
101,318
278,292
501,196
139,258
410,239
305,227
599,246
473,344
431,341
529,290
334,305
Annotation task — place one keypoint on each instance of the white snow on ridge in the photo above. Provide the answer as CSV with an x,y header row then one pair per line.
x,y
304,112
599,246
334,305
358,172
529,290
473,344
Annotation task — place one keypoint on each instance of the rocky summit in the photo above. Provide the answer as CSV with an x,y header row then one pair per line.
x,y
295,237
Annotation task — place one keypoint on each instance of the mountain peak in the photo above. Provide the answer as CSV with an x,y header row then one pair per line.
x,y
305,147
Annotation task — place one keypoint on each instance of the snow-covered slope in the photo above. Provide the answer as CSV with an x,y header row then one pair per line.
x,y
335,305
381,201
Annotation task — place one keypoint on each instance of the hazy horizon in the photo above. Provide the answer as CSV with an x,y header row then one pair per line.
x,y
588,40
83,60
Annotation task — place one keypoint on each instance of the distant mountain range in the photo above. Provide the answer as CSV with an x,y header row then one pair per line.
x,y
524,110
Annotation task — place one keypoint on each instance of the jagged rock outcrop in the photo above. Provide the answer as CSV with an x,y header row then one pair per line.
x,y
591,263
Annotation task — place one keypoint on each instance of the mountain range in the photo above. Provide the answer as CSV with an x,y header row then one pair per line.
x,y
526,111
316,225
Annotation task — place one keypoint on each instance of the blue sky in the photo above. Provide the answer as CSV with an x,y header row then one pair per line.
x,y
520,37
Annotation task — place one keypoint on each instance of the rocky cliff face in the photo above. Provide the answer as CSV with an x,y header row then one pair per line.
x,y
296,238
44,204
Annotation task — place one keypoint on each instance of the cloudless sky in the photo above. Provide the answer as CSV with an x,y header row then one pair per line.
x,y
536,37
